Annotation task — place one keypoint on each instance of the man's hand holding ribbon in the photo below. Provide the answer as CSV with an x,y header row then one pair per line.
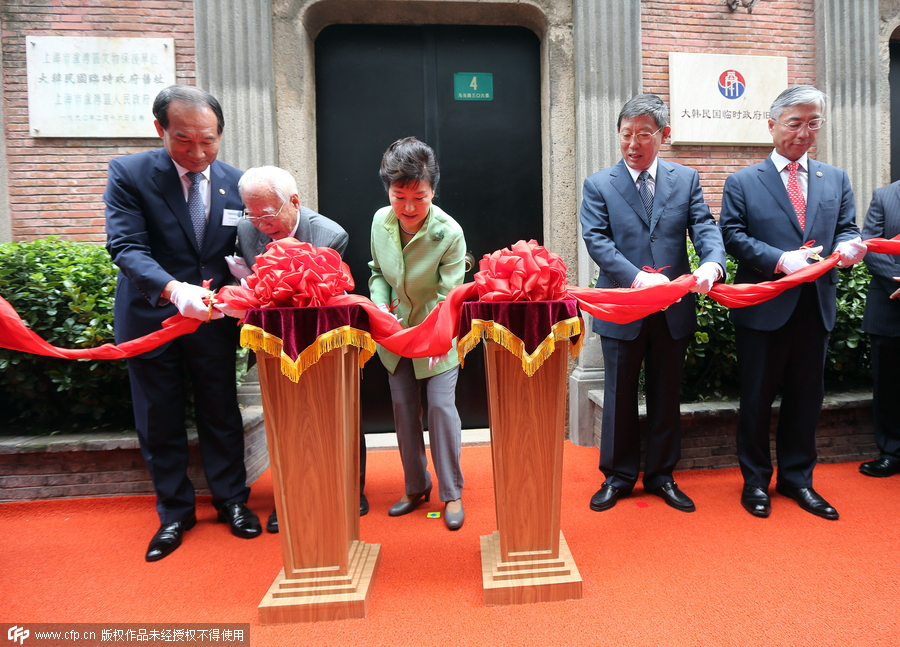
x,y
851,251
707,274
796,259
193,301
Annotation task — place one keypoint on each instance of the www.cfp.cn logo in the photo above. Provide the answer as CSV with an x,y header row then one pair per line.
x,y
17,633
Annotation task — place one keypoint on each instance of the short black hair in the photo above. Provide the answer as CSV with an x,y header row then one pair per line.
x,y
408,161
190,95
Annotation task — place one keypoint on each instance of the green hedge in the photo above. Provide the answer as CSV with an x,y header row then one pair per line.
x,y
710,368
64,291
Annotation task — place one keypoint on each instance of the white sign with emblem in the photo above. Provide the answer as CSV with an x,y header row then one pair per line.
x,y
723,100
96,87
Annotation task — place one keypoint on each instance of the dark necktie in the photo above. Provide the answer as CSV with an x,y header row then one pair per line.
x,y
196,208
793,189
646,195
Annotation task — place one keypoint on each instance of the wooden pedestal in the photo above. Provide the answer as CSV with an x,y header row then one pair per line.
x,y
527,559
312,429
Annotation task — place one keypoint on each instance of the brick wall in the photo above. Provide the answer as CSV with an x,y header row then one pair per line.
x,y
56,185
709,430
91,464
783,28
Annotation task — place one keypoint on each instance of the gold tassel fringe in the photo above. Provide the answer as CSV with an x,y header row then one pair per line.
x,y
257,339
492,331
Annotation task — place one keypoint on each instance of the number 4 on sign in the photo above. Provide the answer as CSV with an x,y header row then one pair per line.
x,y
474,83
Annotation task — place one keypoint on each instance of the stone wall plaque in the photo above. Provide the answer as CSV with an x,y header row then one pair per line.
x,y
96,87
723,100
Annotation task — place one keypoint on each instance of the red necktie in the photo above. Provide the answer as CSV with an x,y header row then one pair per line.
x,y
793,189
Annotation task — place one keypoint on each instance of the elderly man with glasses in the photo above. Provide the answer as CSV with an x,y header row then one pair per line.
x,y
635,219
273,211
775,216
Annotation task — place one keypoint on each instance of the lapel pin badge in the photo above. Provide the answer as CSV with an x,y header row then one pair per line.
x,y
222,191
818,173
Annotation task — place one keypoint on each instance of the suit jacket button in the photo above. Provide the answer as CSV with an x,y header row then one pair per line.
x,y
652,239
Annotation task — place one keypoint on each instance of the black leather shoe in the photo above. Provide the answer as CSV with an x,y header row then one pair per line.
x,y
363,505
405,507
809,500
272,523
756,501
244,522
881,466
168,538
606,497
674,497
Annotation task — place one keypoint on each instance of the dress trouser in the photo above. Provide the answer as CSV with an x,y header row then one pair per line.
x,y
444,429
620,442
792,357
886,394
158,392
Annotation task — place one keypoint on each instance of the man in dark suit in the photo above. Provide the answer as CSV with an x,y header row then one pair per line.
x,y
635,217
772,213
273,211
882,321
171,216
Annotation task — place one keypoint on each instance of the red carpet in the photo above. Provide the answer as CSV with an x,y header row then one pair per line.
x,y
652,575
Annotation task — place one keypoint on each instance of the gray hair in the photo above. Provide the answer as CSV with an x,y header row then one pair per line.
x,y
645,104
277,179
797,95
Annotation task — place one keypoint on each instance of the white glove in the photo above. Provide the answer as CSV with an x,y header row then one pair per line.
x,y
189,301
384,308
795,260
646,279
851,251
228,311
706,275
437,359
238,267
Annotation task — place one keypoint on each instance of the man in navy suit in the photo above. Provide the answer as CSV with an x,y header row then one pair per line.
x,y
775,215
171,217
882,321
635,218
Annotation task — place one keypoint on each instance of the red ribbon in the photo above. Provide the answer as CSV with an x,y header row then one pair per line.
x,y
293,273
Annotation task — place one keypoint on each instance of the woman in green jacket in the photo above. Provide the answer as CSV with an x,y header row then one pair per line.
x,y
418,256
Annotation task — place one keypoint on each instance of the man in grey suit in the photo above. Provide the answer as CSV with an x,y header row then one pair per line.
x,y
635,217
882,321
273,211
771,214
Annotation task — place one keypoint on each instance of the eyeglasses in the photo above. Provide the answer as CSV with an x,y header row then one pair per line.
x,y
262,219
796,126
640,138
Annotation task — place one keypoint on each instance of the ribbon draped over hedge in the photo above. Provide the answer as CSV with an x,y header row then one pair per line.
x,y
295,274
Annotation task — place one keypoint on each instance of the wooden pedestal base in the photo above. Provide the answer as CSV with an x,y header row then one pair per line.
x,y
322,593
528,578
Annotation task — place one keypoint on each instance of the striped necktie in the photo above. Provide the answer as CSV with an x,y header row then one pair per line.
x,y
646,195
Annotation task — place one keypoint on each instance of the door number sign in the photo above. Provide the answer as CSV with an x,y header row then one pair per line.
x,y
468,86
